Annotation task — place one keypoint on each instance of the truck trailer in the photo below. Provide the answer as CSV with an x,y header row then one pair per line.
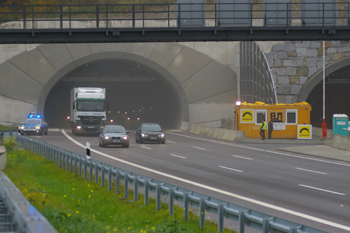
x,y
88,110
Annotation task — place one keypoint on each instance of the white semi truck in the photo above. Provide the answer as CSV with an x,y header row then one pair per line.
x,y
88,109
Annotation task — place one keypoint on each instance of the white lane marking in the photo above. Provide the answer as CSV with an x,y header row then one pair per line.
x,y
302,169
231,169
199,148
257,149
178,156
324,190
292,212
57,130
170,141
241,157
146,147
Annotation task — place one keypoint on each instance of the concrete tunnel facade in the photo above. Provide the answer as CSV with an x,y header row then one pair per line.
x,y
206,88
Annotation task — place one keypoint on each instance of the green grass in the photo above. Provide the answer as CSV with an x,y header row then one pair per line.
x,y
73,204
6,128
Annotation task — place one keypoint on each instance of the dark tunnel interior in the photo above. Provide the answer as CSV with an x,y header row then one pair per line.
x,y
337,99
135,94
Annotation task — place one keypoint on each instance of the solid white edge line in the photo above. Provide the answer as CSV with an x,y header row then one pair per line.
x,y
170,141
146,147
324,190
199,148
241,157
179,156
231,169
257,149
302,169
292,212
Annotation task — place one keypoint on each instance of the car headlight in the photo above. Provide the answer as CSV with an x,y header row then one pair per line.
x,y
143,135
37,127
22,127
78,127
125,138
106,137
161,135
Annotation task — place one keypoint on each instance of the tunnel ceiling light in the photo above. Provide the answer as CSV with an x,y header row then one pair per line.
x,y
126,112
128,118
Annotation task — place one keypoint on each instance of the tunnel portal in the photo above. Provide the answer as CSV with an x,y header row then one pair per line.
x,y
135,93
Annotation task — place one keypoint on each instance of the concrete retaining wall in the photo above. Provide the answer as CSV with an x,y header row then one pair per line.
x,y
318,132
219,133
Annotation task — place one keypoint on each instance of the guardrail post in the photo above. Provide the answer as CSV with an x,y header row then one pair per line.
x,y
71,161
117,182
96,173
171,201
126,182
241,219
102,176
158,201
109,179
266,225
85,168
146,201
220,218
90,167
185,202
136,183
80,166
67,160
201,213
75,164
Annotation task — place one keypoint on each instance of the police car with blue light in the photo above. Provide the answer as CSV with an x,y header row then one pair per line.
x,y
34,124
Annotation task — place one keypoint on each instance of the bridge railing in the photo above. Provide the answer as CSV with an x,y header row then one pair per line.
x,y
267,14
100,172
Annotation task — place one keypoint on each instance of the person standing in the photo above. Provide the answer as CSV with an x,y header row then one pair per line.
x,y
262,130
270,128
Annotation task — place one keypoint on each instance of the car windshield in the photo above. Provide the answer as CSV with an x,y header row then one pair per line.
x,y
32,121
114,129
90,104
151,128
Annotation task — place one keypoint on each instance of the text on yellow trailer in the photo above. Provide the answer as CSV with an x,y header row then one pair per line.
x,y
285,118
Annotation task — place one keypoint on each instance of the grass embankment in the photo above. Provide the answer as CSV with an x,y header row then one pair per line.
x,y
73,204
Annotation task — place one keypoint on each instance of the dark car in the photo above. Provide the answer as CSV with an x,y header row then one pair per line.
x,y
114,135
34,125
149,132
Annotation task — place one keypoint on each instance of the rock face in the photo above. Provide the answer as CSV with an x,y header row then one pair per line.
x,y
294,62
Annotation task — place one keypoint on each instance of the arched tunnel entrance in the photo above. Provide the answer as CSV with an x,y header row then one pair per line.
x,y
135,92
337,97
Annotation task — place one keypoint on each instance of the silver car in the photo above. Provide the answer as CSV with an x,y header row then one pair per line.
x,y
114,135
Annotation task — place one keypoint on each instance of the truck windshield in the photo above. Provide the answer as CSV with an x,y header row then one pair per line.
x,y
91,105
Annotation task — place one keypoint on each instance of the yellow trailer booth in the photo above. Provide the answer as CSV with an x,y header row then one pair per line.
x,y
289,120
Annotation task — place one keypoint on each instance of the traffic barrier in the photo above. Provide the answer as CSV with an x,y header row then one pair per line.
x,y
185,126
3,158
219,133
226,134
344,143
336,140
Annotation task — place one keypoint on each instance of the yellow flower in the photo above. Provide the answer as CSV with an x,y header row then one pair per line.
x,y
89,196
44,195
63,219
72,199
77,212
93,216
141,231
92,190
88,185
73,189
65,196
107,227
129,228
69,215
110,216
130,222
115,229
153,229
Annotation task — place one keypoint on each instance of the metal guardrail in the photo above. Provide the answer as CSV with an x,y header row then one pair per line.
x,y
87,167
17,215
190,21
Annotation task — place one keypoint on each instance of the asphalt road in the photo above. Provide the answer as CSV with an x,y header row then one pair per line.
x,y
309,191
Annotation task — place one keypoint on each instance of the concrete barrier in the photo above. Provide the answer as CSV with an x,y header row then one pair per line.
x,y
316,131
3,158
219,133
185,126
336,140
344,143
